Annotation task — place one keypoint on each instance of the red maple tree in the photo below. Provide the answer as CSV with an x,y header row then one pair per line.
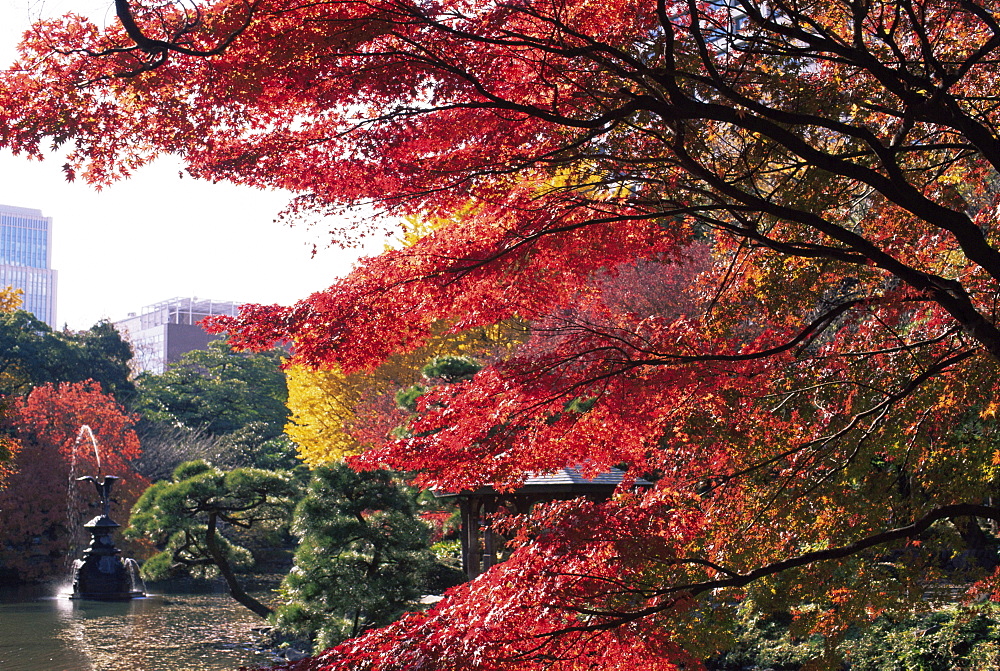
x,y
808,191
43,507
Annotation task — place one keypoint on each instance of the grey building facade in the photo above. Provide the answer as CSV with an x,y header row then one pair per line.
x,y
26,259
161,333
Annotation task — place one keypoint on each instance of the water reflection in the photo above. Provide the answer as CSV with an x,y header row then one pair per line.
x,y
177,632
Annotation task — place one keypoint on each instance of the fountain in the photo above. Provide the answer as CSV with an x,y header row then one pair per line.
x,y
103,573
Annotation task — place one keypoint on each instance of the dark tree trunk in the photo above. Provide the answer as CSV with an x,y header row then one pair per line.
x,y
235,589
980,551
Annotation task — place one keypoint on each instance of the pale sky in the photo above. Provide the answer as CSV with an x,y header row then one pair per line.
x,y
157,236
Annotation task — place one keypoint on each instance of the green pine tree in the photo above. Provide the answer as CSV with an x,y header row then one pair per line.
x,y
363,559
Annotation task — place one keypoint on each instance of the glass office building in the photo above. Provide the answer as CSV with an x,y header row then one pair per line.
x,y
26,259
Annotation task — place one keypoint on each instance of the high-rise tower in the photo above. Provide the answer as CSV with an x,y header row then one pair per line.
x,y
26,259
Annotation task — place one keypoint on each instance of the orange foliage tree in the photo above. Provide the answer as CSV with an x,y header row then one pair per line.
x,y
43,507
808,190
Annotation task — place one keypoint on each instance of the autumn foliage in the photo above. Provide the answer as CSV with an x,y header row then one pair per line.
x,y
755,247
42,506
10,299
337,414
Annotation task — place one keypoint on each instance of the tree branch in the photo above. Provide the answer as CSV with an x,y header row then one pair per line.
x,y
617,619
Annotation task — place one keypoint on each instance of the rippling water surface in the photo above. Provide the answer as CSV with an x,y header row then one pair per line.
x,y
175,632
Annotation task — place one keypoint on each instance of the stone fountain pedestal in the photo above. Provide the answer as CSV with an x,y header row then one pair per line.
x,y
102,573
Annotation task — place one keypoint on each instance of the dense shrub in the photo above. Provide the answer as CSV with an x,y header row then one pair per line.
x,y
953,638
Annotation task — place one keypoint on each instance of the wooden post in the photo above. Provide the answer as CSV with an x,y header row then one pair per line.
x,y
472,559
489,538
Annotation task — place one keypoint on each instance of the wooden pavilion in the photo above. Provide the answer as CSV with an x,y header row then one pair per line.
x,y
482,547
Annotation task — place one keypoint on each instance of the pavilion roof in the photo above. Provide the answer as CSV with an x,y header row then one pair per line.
x,y
567,480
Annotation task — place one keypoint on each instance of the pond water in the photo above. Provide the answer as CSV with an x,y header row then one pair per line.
x,y
166,632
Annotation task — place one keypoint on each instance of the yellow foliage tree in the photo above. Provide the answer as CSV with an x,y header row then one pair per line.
x,y
10,299
331,410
